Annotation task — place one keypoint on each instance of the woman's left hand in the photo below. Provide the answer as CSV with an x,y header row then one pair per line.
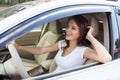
x,y
89,34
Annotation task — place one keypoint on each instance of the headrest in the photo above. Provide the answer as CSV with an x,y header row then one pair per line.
x,y
55,27
95,26
94,23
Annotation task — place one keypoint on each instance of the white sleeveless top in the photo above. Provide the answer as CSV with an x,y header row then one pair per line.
x,y
74,59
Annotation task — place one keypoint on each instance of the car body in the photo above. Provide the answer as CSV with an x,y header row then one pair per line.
x,y
36,26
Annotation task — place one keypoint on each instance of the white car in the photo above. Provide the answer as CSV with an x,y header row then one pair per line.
x,y
43,25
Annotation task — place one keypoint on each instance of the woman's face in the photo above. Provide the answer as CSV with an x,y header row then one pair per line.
x,y
72,31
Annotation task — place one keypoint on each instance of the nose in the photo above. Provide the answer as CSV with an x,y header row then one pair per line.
x,y
68,30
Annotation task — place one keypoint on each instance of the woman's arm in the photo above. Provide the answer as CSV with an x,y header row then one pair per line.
x,y
100,53
36,50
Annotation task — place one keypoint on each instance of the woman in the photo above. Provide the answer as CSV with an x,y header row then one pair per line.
x,y
74,50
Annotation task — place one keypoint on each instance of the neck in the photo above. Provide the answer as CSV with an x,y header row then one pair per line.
x,y
73,44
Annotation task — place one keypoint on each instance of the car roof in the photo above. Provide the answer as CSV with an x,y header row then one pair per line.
x,y
11,21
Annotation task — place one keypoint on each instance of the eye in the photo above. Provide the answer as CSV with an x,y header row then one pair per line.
x,y
73,28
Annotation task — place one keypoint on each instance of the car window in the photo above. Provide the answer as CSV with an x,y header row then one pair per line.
x,y
57,27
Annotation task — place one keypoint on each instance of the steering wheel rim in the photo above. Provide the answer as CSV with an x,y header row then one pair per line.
x,y
18,62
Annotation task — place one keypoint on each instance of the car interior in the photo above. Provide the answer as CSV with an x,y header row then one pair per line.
x,y
46,35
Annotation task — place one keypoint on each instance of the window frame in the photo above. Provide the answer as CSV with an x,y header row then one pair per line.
x,y
48,16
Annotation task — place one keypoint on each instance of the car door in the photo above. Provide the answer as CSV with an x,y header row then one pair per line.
x,y
111,31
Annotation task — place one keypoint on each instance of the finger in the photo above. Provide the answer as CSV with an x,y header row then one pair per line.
x,y
89,26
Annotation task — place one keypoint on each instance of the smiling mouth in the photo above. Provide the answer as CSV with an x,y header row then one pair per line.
x,y
68,35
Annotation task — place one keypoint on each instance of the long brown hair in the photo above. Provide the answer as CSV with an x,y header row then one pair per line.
x,y
83,26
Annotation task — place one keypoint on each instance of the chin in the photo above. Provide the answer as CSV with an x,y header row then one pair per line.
x,y
68,38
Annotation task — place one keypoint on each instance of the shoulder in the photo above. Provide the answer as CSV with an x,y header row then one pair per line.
x,y
88,49
81,50
62,43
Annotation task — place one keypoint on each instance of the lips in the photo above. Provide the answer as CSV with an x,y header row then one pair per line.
x,y
68,34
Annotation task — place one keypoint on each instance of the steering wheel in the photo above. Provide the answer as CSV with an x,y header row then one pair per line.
x,y
18,61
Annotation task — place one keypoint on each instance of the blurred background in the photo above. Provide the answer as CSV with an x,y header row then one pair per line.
x,y
13,2
8,3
